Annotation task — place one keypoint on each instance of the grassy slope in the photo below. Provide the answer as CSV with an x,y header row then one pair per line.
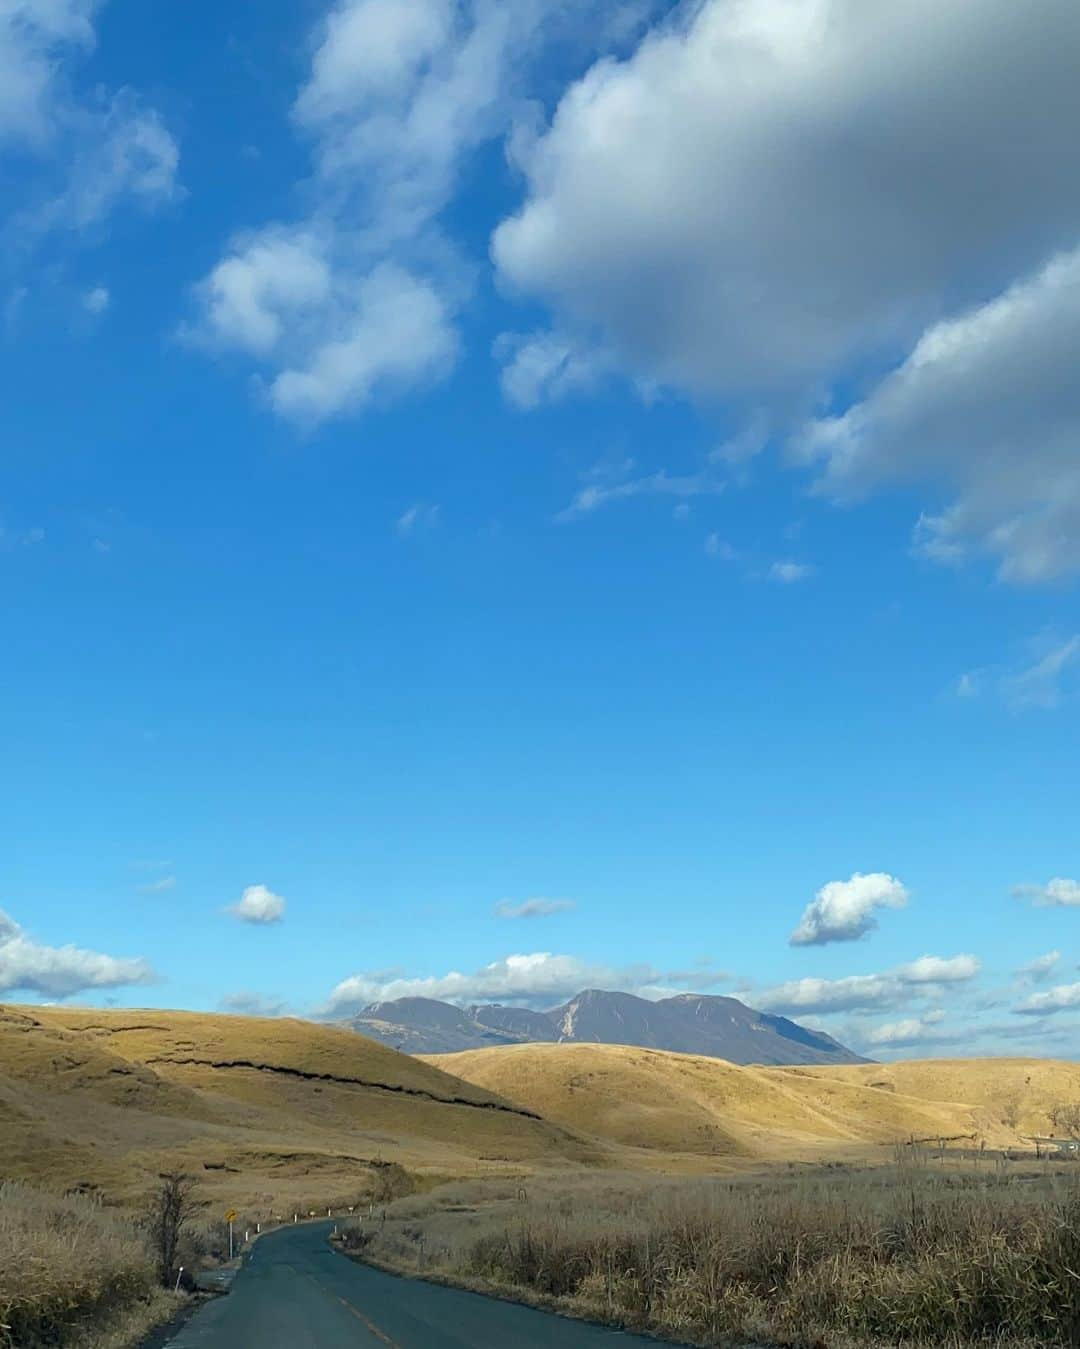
x,y
680,1103
266,1113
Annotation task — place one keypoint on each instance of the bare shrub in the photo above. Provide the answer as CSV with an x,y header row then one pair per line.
x,y
171,1209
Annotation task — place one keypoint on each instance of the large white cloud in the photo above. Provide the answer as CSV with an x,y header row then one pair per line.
x,y
358,299
771,195
867,992
844,910
538,978
990,402
27,966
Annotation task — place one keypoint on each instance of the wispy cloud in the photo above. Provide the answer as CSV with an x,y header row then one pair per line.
x,y
1041,684
894,988
1040,968
1063,998
592,498
418,516
253,1004
533,908
788,573
158,887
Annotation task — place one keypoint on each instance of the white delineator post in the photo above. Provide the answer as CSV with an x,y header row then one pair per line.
x,y
230,1241
180,1271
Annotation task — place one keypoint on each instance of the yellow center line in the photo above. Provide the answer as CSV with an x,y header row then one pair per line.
x,y
379,1334
368,1324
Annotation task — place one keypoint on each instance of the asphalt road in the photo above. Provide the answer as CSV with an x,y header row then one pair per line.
x,y
294,1292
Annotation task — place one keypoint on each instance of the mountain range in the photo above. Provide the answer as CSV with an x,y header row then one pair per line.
x,y
689,1023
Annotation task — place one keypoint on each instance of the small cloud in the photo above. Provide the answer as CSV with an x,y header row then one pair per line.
x,y
911,1031
258,905
844,910
717,547
158,887
1041,684
96,301
592,498
788,573
1041,967
418,516
939,970
1057,893
1063,998
681,512
533,908
101,546
253,1004
968,685
11,539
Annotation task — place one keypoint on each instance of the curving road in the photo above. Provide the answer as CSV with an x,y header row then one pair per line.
x,y
294,1292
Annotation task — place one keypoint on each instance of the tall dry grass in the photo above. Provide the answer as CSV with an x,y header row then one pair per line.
x,y
901,1255
70,1270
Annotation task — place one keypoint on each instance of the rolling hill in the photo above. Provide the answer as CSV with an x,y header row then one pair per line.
x,y
280,1111
691,1023
689,1105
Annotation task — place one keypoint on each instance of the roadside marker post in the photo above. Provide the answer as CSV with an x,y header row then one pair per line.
x,y
230,1218
179,1272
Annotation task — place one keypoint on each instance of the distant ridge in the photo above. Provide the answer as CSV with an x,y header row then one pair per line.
x,y
690,1023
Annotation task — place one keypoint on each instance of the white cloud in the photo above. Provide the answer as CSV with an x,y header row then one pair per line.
x,y
253,1004
60,971
1060,892
968,685
158,887
844,910
417,516
258,905
717,547
533,908
85,154
539,978
96,301
543,367
35,39
939,970
1040,684
1041,967
1063,998
397,96
910,1031
865,992
1009,451
591,498
705,214
787,573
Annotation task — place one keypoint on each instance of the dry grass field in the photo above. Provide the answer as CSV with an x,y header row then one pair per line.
x,y
268,1115
73,1273
926,1251
680,1106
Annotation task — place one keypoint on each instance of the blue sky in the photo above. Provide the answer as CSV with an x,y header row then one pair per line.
x,y
497,501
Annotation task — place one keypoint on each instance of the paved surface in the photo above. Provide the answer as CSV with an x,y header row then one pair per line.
x,y
294,1292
